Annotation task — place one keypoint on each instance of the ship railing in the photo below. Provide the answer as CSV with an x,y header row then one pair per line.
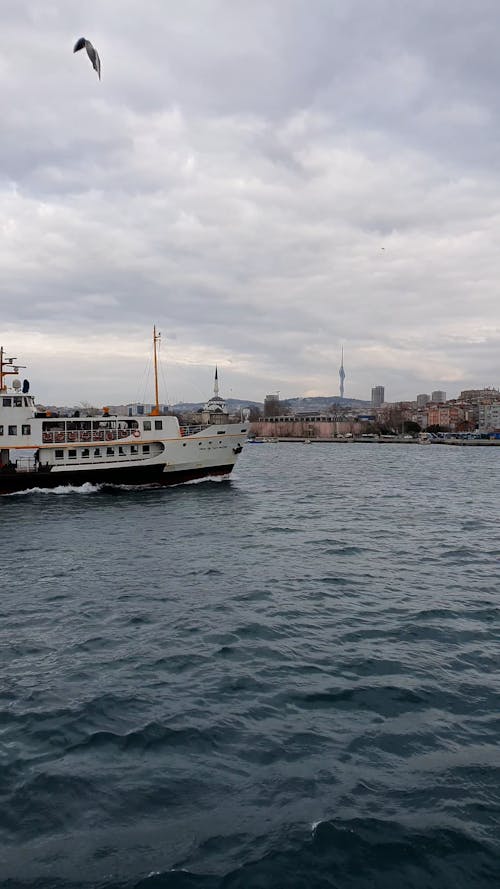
x,y
192,430
84,436
26,464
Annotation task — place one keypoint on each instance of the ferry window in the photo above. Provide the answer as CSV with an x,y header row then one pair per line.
x,y
147,425
222,432
72,454
59,453
12,430
110,452
85,452
27,402
121,451
26,430
18,402
7,402
158,424
1,430
145,449
134,449
97,452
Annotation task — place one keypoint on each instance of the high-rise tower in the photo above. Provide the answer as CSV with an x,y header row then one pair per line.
x,y
342,373
378,396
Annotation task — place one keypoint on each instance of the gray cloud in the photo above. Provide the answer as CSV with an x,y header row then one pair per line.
x,y
265,181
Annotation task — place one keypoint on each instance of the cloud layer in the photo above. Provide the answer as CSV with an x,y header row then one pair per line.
x,y
264,181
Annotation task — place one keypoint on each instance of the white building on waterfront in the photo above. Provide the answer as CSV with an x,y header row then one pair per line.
x,y
489,417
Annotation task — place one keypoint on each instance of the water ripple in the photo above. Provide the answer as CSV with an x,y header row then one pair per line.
x,y
290,679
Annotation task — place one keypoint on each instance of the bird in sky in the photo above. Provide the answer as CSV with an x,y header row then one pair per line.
x,y
83,43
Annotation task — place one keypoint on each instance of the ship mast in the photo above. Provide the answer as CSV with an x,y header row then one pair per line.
x,y
156,339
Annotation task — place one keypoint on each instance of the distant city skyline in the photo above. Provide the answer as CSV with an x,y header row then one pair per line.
x,y
421,403
115,375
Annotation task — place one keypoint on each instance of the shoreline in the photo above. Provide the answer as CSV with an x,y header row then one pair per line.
x,y
454,442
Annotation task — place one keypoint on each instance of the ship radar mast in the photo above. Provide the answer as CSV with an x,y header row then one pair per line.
x,y
342,374
8,368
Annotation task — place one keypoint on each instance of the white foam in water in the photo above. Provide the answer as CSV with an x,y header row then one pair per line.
x,y
206,478
146,487
86,488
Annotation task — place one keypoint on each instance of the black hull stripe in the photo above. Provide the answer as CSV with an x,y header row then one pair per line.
x,y
147,475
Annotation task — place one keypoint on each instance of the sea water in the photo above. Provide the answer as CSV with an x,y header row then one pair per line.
x,y
288,679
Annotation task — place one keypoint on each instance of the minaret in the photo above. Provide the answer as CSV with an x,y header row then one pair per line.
x,y
215,410
342,374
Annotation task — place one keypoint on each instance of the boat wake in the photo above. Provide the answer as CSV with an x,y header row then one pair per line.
x,y
207,478
86,488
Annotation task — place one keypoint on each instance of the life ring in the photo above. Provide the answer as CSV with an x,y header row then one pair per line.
x,y
136,433
109,436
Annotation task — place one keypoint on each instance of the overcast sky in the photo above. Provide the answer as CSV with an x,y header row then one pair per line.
x,y
265,180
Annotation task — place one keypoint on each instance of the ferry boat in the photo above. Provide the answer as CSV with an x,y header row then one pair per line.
x,y
108,449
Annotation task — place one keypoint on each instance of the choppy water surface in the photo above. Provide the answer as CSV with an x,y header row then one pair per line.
x,y
286,680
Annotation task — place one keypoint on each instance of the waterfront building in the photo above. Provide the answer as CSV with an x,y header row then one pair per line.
x,y
489,417
421,417
378,396
272,404
438,396
307,425
143,410
448,416
423,399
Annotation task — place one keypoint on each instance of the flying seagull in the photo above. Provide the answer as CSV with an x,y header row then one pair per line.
x,y
92,53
